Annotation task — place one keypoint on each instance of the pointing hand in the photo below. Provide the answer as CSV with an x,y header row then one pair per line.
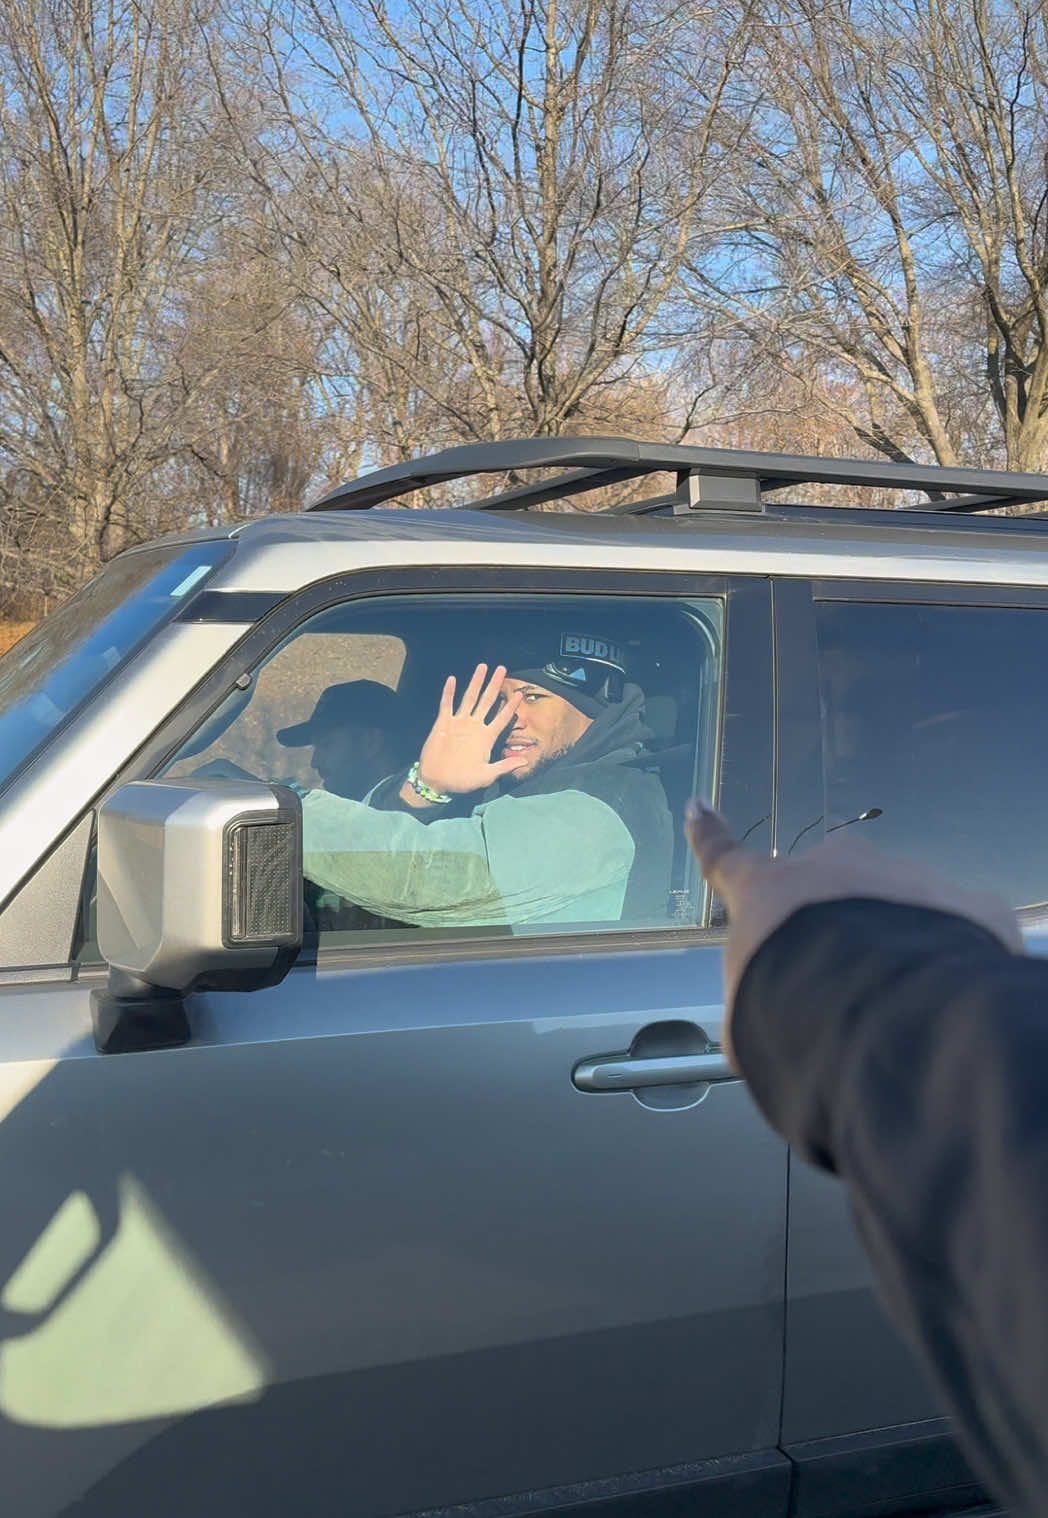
x,y
762,893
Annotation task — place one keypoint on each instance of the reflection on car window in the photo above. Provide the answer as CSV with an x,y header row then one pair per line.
x,y
551,804
933,717
55,669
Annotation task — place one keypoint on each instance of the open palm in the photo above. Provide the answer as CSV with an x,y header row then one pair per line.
x,y
456,757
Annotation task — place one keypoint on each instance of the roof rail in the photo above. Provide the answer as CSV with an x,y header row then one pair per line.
x,y
722,479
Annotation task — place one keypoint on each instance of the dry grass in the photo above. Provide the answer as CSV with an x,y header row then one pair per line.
x,y
10,632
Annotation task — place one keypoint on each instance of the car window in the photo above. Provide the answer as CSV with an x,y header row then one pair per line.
x,y
283,693
933,720
618,723
58,667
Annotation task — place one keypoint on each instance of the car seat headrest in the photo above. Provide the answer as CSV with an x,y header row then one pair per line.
x,y
660,716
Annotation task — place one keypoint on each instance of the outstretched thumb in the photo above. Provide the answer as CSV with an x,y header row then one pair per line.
x,y
717,851
505,766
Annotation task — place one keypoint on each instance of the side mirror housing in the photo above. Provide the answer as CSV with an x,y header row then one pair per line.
x,y
199,886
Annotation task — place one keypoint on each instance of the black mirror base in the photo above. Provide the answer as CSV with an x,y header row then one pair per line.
x,y
156,1019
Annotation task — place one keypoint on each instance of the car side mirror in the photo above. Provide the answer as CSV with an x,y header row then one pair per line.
x,y
199,887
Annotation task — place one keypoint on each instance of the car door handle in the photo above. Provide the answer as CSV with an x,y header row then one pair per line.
x,y
622,1072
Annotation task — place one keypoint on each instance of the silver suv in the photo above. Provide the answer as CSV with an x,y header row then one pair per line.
x,y
371,1152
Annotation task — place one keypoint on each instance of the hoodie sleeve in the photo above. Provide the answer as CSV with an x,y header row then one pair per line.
x,y
907,1051
561,856
386,797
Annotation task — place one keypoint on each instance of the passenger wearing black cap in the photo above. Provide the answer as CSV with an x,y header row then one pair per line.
x,y
353,732
568,828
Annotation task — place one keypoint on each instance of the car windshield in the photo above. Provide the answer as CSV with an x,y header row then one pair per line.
x,y
54,670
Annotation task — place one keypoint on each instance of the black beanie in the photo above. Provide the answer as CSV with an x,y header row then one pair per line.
x,y
588,671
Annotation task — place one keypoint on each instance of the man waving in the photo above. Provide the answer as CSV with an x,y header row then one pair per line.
x,y
567,828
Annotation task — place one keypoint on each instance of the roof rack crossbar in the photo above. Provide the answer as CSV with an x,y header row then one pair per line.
x,y
576,482
960,503
707,478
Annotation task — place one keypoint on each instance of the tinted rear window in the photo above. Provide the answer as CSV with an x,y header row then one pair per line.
x,y
937,716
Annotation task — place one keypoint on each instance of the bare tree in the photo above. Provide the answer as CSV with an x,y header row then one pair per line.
x,y
99,211
129,351
490,207
249,438
891,201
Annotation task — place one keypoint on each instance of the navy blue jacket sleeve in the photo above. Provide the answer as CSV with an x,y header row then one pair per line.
x,y
907,1051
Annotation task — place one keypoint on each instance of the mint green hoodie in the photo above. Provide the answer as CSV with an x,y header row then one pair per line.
x,y
563,856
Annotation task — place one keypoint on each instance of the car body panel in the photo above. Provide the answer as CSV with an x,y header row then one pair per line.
x,y
52,792
508,1307
288,552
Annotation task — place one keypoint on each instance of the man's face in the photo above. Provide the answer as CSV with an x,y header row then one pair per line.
x,y
544,727
349,759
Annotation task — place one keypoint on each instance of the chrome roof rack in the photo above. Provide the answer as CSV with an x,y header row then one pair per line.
x,y
719,479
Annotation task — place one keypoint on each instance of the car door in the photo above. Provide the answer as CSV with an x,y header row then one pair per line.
x,y
449,1215
908,712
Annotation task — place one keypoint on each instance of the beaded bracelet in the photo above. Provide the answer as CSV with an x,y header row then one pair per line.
x,y
419,786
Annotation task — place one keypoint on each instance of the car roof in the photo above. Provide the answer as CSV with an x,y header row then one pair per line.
x,y
280,554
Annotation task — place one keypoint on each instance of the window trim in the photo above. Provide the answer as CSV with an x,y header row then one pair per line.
x,y
798,718
369,584
931,592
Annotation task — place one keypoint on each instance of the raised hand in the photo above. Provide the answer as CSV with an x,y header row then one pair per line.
x,y
456,757
762,893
